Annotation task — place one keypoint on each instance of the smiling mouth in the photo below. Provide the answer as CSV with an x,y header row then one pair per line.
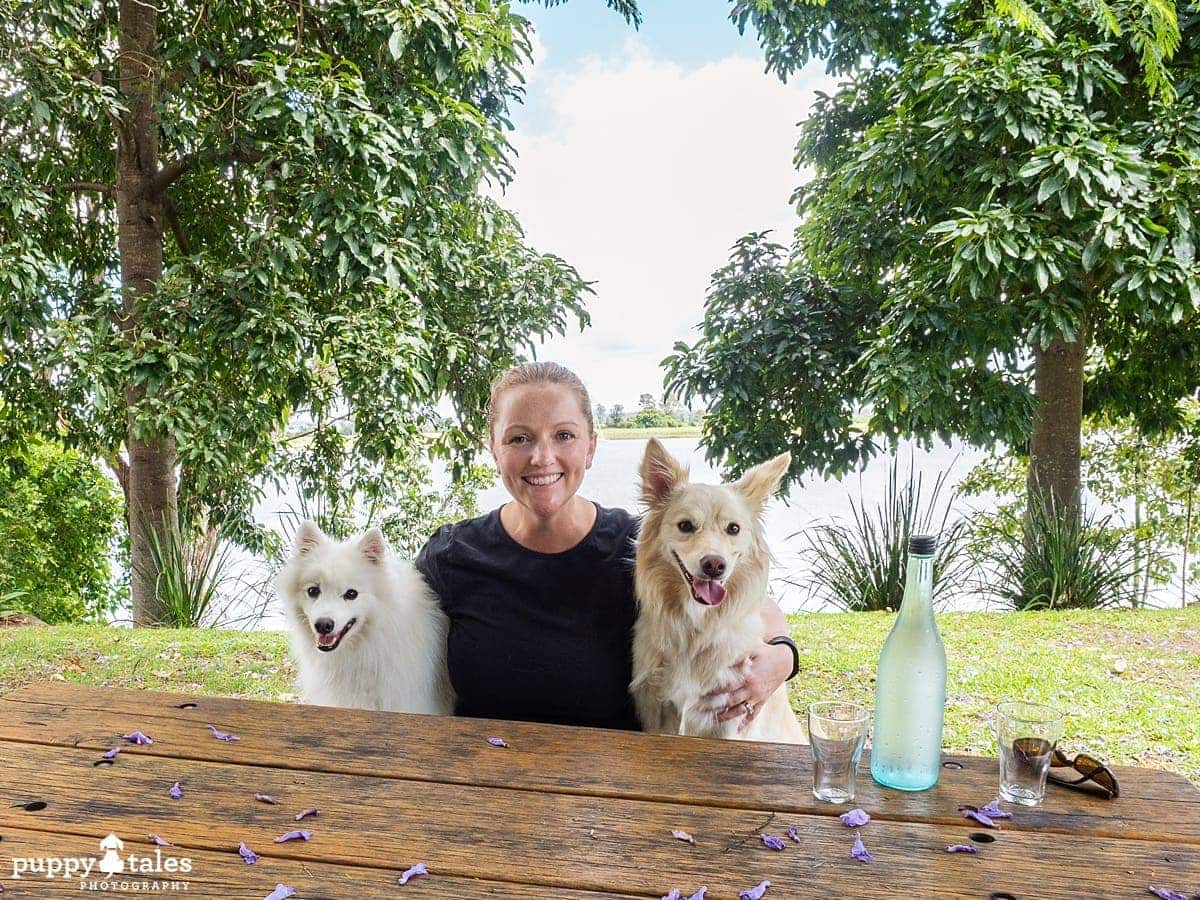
x,y
704,591
542,480
328,642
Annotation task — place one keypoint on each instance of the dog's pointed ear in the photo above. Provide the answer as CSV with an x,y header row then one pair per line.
x,y
661,474
373,546
760,482
308,537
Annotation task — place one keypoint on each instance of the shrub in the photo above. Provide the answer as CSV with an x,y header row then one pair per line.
x,y
60,517
861,565
1050,560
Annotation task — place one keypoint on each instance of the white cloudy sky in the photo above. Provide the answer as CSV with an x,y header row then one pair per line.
x,y
641,171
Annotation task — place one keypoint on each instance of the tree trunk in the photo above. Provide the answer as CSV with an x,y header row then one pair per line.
x,y
1057,425
152,493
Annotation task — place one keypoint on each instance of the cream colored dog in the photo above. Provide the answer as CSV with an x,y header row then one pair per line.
x,y
701,583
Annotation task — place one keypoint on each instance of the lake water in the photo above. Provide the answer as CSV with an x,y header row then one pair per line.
x,y
612,481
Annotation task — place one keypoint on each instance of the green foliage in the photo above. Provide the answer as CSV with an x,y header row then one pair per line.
x,y
191,576
775,356
329,252
1043,559
977,191
650,418
59,518
1151,480
861,565
401,500
10,603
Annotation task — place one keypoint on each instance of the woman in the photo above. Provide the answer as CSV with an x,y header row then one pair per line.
x,y
539,592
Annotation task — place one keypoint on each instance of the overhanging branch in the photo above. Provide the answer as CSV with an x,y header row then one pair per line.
x,y
177,168
79,186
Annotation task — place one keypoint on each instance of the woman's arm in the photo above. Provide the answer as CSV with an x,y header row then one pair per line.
x,y
767,667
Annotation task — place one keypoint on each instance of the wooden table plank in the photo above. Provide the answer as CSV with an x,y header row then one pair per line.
x,y
225,875
1154,805
555,840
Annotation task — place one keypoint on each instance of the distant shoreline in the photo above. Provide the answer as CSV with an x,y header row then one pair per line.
x,y
641,434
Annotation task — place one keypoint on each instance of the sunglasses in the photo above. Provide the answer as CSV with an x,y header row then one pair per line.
x,y
1089,768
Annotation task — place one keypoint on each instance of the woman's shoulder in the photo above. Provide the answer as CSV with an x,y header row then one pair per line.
x,y
616,530
466,532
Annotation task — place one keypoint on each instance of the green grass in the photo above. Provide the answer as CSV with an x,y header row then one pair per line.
x,y
641,434
1128,679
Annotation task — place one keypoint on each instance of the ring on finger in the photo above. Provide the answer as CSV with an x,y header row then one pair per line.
x,y
748,707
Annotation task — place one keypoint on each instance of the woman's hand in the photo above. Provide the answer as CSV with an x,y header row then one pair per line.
x,y
764,669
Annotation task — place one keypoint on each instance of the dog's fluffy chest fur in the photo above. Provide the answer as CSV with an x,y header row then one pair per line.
x,y
672,675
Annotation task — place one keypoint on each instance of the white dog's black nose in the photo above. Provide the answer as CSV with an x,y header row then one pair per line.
x,y
323,626
712,566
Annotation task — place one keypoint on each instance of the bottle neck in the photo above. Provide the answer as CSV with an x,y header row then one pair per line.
x,y
918,588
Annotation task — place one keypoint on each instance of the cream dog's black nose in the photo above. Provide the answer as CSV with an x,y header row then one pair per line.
x,y
712,566
323,626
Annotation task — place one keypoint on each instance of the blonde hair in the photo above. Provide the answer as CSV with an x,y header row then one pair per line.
x,y
538,373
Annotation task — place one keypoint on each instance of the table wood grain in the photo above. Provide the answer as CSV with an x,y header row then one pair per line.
x,y
563,812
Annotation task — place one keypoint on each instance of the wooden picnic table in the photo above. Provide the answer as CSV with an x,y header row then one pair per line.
x,y
574,813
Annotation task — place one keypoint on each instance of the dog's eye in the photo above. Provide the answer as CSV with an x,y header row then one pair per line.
x,y
350,594
686,526
314,591
733,528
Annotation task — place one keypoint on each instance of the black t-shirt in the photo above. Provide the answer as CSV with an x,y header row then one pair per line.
x,y
538,637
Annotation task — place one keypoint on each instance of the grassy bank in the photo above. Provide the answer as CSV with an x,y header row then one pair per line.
x,y
641,434
1130,680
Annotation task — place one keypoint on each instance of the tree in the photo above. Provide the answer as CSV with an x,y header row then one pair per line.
x,y
218,215
998,236
616,415
647,401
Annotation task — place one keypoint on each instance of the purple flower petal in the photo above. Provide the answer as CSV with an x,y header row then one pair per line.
x,y
497,742
281,892
413,872
673,894
247,854
111,754
222,735
993,810
297,835
176,791
137,737
699,895
1165,894
980,817
962,848
858,851
771,842
856,818
755,893
265,798
305,813
793,833
682,836
159,841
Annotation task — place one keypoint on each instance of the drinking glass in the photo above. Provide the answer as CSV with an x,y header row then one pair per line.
x,y
838,731
1028,734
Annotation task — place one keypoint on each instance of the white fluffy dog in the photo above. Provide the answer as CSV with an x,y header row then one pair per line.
x,y
365,629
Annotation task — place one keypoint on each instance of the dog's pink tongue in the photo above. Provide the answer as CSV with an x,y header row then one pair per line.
x,y
710,592
326,640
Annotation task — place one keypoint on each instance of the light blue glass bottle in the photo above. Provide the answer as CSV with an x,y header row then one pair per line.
x,y
910,686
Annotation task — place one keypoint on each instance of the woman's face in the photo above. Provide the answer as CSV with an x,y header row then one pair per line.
x,y
542,445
